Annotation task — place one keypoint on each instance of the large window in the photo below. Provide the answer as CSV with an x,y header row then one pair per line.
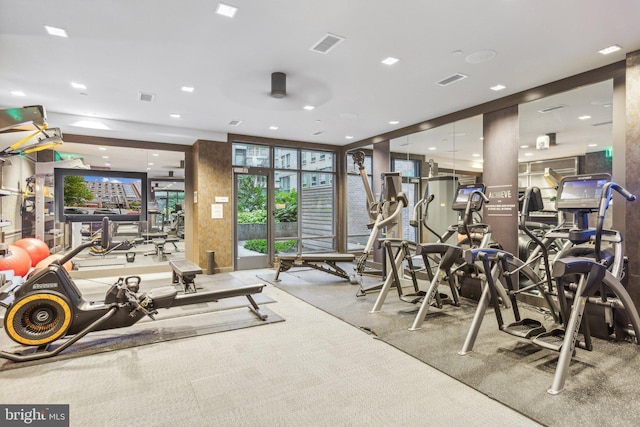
x,y
318,198
410,170
304,195
251,155
358,218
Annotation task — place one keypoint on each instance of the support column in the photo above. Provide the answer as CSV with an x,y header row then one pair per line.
x,y
632,173
500,175
213,177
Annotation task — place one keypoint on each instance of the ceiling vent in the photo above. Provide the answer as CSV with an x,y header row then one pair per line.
x,y
327,43
549,109
147,97
318,132
235,122
452,79
602,123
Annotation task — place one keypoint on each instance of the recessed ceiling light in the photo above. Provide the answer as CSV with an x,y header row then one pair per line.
x,y
584,117
349,137
148,169
155,154
89,124
498,87
150,164
475,155
308,107
480,57
394,122
524,146
102,148
432,148
592,145
390,60
273,127
174,115
107,164
477,165
226,10
17,93
610,49
56,31
105,157
78,85
187,89
528,154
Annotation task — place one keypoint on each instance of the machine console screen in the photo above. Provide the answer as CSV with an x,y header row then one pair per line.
x,y
581,193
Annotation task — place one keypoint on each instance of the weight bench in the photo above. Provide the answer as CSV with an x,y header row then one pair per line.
x,y
160,243
185,272
323,262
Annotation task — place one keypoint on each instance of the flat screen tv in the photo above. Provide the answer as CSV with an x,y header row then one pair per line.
x,y
87,195
581,192
462,196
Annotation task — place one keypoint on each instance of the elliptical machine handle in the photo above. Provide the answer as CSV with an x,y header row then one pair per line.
x,y
624,192
466,219
605,198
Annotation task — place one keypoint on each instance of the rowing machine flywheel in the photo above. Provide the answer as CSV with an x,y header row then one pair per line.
x,y
38,319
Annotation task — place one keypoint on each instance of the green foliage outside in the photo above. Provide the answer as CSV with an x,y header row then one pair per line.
x,y
290,200
76,192
251,194
252,201
253,217
260,245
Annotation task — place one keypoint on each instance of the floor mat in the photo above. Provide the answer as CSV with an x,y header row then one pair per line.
x,y
171,324
599,390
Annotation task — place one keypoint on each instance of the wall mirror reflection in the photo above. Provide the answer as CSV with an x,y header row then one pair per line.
x,y
139,243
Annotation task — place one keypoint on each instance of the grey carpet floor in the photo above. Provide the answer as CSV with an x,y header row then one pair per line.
x,y
170,324
311,370
599,389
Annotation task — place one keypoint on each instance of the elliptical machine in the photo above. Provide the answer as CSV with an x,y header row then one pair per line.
x,y
49,306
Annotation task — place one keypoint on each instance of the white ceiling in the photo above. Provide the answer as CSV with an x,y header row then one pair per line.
x,y
120,48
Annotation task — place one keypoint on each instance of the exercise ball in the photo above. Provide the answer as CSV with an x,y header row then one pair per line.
x,y
36,248
50,259
17,259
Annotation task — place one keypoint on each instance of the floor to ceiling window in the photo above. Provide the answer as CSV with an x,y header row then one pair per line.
x,y
303,197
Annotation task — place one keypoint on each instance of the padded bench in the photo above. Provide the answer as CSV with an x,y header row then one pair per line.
x,y
160,243
322,262
185,272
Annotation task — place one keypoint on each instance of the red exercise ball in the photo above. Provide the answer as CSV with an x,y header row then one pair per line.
x,y
17,259
36,248
51,258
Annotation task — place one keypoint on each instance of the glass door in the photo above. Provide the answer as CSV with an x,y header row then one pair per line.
x,y
253,221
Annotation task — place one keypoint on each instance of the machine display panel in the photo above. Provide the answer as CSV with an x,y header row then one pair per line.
x,y
462,196
581,192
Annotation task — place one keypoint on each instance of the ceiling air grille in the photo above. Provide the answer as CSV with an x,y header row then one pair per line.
x,y
452,79
235,122
550,109
147,97
327,43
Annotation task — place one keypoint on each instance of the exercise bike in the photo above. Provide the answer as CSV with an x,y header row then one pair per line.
x,y
48,306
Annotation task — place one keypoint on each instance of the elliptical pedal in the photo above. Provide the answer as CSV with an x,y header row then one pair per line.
x,y
525,328
551,340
